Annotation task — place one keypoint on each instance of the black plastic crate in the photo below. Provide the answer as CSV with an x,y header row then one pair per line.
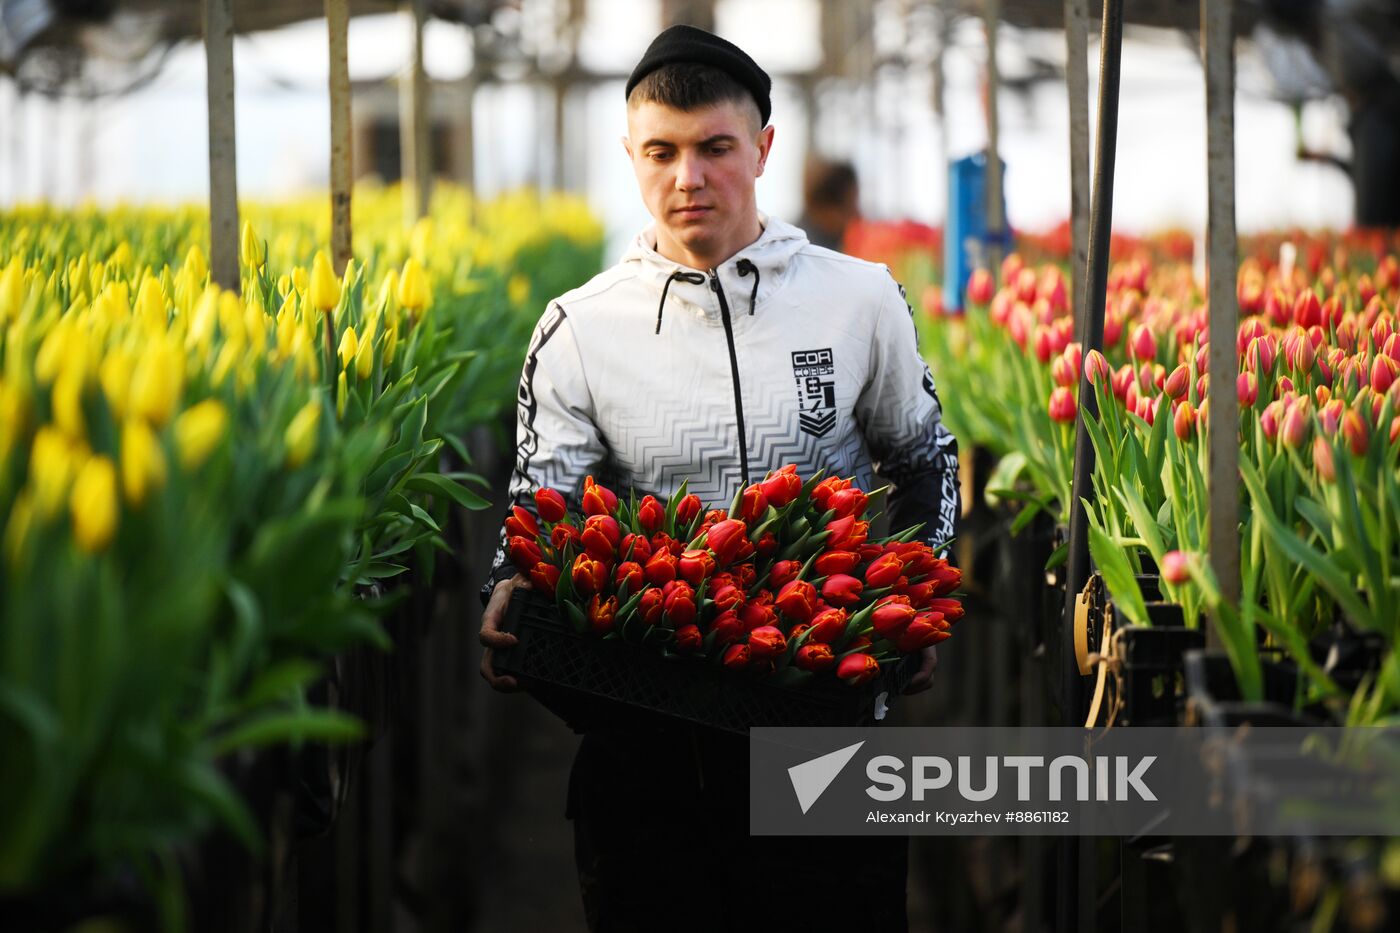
x,y
594,683
1153,674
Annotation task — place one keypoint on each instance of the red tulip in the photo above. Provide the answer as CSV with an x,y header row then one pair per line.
x,y
525,553
857,669
797,600
884,571
828,625
846,533
1294,429
1269,421
736,657
891,615
757,614
651,606
1383,372
522,524
1063,407
1247,389
589,575
1178,383
926,629
1043,343
727,539
694,566
661,541
980,287
836,562
563,534
950,609
842,590
1357,432
1184,421
679,603
687,509
1323,460
821,493
601,614
1249,329
597,500
545,576
849,501
1175,567
945,579
783,572
814,656
661,568
601,534
1301,353
550,504
1329,415
782,487
629,573
728,627
635,547
688,638
651,514
767,641
1142,344
753,504
1307,310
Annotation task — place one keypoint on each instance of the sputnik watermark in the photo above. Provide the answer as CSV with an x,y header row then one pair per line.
x,y
1068,781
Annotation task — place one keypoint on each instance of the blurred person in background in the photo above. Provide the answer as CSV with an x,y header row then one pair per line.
x,y
723,345
830,202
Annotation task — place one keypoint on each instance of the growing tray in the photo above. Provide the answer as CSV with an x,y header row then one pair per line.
x,y
593,683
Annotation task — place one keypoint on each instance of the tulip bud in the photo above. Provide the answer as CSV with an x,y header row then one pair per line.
x,y
783,572
325,287
736,657
302,431
797,600
857,669
1178,382
251,248
687,509
597,500
1307,310
1294,430
198,431
589,575
142,463
1142,344
1301,355
782,487
849,501
1323,461
414,293
1383,373
1063,407
629,574
695,566
842,590
728,540
883,571
1175,567
94,505
1270,420
980,287
602,614
767,641
679,601
651,605
689,639
1247,389
831,562
1096,368
545,577
828,625
891,615
661,568
1329,415
1184,421
1356,431
521,523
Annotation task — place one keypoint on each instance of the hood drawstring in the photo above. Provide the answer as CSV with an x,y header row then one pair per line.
x,y
745,267
694,278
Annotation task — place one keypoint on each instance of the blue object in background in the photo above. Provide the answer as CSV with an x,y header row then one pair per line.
x,y
965,233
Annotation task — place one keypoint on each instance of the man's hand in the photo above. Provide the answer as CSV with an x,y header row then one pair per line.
x,y
923,679
491,635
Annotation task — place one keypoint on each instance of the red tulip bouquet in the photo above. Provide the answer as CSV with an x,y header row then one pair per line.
x,y
785,583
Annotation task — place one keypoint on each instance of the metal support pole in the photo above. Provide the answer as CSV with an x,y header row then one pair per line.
x,y
1218,36
996,222
223,164
414,140
1073,909
1077,83
338,22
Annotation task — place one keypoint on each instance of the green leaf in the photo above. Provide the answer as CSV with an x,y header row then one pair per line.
x,y
277,728
439,485
1117,574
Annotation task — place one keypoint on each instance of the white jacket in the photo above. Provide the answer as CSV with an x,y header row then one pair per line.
x,y
653,373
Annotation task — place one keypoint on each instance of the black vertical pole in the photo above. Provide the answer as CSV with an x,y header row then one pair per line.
x,y
1070,912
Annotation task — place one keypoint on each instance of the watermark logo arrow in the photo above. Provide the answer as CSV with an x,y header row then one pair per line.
x,y
811,778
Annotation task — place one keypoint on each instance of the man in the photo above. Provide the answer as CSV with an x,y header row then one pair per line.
x,y
722,346
830,202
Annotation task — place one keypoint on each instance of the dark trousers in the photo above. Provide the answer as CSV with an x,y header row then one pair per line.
x,y
661,841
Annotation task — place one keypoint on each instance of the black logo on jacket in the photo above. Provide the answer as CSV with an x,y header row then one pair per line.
x,y
816,390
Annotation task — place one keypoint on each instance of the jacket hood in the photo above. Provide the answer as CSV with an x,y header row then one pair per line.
x,y
771,255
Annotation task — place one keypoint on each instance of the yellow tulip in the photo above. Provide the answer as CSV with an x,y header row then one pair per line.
x,y
300,436
349,345
413,287
115,376
388,290
53,352
67,402
196,266
251,247
121,256
300,280
325,287
421,238
93,504
518,290
198,431
14,411
364,359
151,303
391,343
11,290
143,464
206,315
52,463
156,382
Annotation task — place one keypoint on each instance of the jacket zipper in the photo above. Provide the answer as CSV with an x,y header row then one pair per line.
x,y
734,372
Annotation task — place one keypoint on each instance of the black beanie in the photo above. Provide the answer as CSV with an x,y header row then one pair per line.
x,y
689,44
